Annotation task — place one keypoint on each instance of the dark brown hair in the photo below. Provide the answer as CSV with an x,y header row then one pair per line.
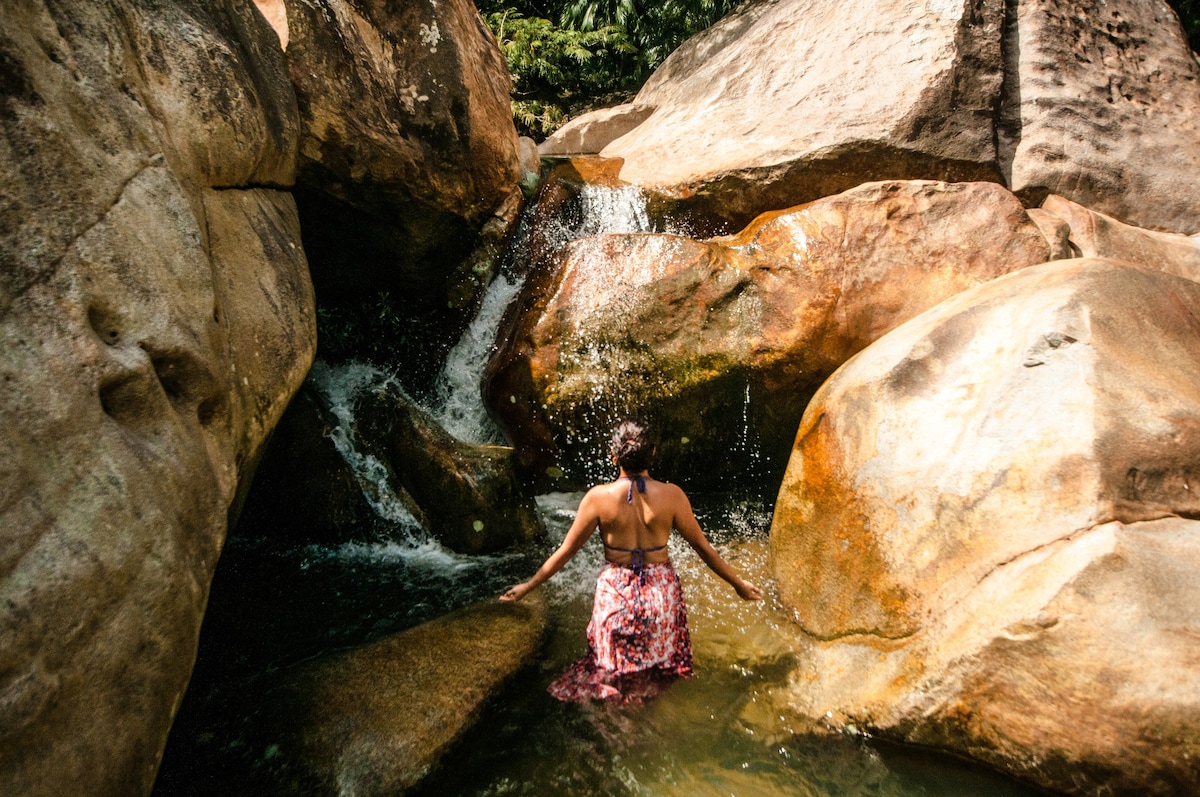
x,y
633,447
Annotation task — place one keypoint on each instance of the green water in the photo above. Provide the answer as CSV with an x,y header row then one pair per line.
x,y
720,733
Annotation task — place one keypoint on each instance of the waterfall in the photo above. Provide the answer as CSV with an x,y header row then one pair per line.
x,y
613,210
457,399
337,387
457,403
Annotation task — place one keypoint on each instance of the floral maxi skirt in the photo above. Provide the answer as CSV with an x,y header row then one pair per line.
x,y
638,641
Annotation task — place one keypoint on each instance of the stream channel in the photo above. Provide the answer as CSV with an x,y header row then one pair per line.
x,y
274,604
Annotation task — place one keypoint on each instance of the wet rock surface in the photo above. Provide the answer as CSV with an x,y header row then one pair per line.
x,y
373,720
470,495
696,333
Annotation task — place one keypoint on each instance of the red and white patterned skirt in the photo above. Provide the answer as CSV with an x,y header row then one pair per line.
x,y
638,641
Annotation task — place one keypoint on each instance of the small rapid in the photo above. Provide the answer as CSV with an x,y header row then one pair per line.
x,y
337,387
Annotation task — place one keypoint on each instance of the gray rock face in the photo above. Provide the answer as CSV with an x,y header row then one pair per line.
x,y
408,142
784,102
1100,105
987,530
156,316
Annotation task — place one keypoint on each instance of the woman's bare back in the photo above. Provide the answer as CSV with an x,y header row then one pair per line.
x,y
635,518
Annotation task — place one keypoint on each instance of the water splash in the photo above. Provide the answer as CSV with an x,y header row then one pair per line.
x,y
457,403
613,210
338,386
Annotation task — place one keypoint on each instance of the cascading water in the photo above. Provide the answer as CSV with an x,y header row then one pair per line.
x,y
338,387
457,399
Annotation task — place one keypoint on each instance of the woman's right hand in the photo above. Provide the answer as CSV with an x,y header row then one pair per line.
x,y
516,593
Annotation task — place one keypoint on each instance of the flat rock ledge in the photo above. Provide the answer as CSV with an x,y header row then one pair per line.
x,y
377,719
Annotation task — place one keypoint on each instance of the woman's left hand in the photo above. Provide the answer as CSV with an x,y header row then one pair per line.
x,y
748,592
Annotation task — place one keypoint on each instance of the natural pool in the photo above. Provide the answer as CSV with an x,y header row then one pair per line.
x,y
720,733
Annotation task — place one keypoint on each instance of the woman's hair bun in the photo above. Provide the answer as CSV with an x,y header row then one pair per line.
x,y
632,446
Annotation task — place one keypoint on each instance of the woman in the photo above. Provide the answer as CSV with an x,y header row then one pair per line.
x,y
638,638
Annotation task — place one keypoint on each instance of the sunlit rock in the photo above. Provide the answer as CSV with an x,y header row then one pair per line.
x,y
785,102
1101,105
722,341
591,132
988,531
1093,234
375,720
408,143
156,316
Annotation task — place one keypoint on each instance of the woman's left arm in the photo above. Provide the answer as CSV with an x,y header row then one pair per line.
x,y
689,529
586,521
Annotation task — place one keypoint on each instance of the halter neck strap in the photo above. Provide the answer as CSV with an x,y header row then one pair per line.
x,y
640,481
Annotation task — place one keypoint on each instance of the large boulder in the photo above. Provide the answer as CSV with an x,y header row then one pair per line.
x,y
1092,234
375,720
408,143
784,102
988,531
1101,105
156,316
695,333
370,720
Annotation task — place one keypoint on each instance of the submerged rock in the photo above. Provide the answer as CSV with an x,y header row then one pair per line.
x,y
988,530
470,495
697,333
156,316
785,102
375,720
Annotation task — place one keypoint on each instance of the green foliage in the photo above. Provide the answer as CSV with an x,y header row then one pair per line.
x,y
656,27
568,56
1189,15
555,69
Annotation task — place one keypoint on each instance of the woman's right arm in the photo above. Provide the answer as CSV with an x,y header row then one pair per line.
x,y
586,521
687,525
